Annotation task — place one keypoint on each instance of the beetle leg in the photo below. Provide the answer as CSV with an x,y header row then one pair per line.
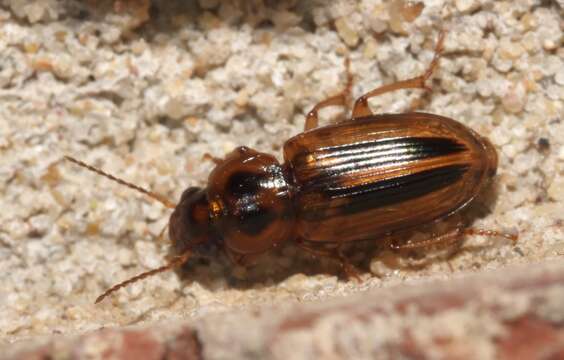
x,y
361,108
160,237
336,254
453,237
450,238
244,260
342,99
210,157
491,233
350,270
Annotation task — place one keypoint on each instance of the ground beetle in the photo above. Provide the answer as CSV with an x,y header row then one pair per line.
x,y
365,178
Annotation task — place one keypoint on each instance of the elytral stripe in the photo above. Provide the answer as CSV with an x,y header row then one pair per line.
x,y
394,190
437,144
355,158
414,184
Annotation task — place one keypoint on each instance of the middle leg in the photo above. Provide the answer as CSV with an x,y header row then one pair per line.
x,y
333,253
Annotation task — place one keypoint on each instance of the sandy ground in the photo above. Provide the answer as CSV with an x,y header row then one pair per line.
x,y
145,90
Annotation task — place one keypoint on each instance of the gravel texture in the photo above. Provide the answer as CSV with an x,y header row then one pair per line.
x,y
145,89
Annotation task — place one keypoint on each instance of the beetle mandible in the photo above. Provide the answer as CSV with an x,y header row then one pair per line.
x,y
360,179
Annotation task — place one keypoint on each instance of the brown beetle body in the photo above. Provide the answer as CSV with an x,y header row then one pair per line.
x,y
356,180
361,179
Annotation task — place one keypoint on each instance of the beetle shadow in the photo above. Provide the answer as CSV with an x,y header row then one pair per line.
x,y
256,14
146,314
219,272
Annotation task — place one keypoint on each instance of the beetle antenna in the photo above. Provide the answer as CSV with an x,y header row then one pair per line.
x,y
163,200
178,261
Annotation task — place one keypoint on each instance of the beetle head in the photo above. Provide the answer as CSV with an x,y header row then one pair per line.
x,y
189,224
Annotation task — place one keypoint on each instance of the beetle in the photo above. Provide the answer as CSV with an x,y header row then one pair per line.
x,y
364,178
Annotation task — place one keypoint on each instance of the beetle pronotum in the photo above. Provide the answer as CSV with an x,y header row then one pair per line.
x,y
364,178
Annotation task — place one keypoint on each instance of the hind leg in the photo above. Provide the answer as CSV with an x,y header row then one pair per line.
x,y
361,108
451,238
341,99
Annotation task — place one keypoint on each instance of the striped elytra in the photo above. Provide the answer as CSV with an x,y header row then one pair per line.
x,y
365,178
384,173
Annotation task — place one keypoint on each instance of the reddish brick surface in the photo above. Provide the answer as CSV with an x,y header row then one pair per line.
x,y
514,313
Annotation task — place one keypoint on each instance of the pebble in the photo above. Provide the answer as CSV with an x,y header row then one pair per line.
x,y
515,98
346,32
